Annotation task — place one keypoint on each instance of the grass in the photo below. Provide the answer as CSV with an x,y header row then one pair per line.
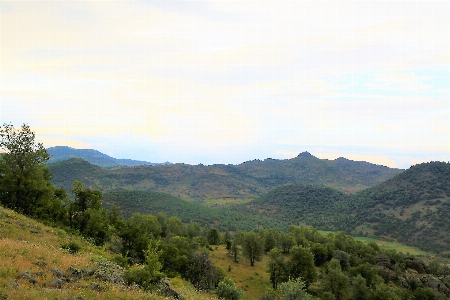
x,y
29,246
253,281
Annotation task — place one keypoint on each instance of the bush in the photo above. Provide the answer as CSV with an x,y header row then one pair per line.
x,y
227,290
71,247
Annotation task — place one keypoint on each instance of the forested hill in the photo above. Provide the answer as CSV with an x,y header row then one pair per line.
x,y
412,207
246,180
95,157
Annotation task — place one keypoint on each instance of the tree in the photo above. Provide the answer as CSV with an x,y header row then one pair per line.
x,y
24,178
252,247
294,290
201,273
276,267
335,281
234,250
213,236
286,242
84,199
302,264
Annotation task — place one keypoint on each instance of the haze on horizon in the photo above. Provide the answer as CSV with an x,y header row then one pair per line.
x,y
231,81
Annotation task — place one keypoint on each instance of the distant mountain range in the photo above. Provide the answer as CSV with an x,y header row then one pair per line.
x,y
95,157
246,180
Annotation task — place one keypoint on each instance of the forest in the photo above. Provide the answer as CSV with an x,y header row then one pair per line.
x,y
301,262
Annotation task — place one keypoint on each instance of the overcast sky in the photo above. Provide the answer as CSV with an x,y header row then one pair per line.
x,y
230,81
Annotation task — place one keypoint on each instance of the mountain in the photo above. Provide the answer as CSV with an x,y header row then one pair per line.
x,y
412,207
246,180
93,156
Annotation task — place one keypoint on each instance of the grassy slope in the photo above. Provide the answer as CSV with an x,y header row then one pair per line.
x,y
253,281
27,245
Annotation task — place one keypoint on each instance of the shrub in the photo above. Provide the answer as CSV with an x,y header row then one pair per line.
x,y
71,247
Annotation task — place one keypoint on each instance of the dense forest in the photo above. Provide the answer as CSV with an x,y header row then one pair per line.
x,y
301,262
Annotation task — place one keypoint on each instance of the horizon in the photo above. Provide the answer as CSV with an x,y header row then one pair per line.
x,y
260,159
228,81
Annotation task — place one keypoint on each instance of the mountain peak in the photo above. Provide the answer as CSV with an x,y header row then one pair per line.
x,y
305,154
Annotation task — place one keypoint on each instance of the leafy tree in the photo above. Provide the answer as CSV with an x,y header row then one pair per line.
x,y
97,226
193,229
302,264
252,247
294,290
227,290
24,178
175,255
335,281
276,267
84,199
270,240
201,273
174,226
234,250
286,242
213,236
149,272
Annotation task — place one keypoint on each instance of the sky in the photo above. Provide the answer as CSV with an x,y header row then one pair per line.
x,y
223,82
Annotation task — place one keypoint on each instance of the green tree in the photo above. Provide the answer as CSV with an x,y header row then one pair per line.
x,y
24,178
149,272
302,264
294,290
234,250
84,199
252,247
201,273
213,236
335,281
276,267
286,241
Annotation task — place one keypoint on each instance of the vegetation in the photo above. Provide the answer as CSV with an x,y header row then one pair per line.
x,y
247,180
95,157
97,253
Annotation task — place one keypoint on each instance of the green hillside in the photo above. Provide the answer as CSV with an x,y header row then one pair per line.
x,y
150,202
413,207
246,180
296,205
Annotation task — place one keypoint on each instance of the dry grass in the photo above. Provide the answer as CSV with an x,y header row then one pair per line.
x,y
252,280
29,246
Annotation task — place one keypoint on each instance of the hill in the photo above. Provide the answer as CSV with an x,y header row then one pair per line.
x,y
36,263
151,202
297,205
412,207
95,157
246,180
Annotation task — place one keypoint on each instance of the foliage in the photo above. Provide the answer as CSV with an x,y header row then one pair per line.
x,y
276,268
24,178
252,247
294,290
227,290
